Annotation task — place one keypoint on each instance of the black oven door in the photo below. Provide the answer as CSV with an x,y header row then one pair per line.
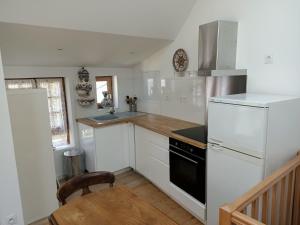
x,y
188,173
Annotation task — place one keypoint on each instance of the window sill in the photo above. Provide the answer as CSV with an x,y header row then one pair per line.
x,y
63,148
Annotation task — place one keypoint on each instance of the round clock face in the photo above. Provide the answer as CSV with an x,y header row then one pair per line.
x,y
180,60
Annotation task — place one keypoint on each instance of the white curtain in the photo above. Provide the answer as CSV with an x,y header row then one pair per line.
x,y
20,84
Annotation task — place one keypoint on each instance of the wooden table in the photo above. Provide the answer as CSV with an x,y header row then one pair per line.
x,y
113,206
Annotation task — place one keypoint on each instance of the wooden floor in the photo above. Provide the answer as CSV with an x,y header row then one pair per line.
x,y
147,191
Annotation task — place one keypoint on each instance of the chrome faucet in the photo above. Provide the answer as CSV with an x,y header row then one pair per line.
x,y
112,109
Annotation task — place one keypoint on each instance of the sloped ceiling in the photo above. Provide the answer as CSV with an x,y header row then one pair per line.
x,y
24,45
143,18
114,33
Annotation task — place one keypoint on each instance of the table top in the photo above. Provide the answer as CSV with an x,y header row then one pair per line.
x,y
113,206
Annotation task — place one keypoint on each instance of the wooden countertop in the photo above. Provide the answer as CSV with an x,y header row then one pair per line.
x,y
157,123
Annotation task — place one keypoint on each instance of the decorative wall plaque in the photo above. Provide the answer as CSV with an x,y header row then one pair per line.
x,y
84,88
180,60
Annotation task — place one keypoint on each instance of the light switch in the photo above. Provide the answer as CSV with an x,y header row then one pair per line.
x,y
269,59
11,219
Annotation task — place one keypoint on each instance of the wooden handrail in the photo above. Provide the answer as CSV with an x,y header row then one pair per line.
x,y
232,213
264,185
240,218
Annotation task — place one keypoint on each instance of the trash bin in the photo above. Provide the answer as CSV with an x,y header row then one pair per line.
x,y
74,163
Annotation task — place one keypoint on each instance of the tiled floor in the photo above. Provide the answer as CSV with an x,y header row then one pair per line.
x,y
147,191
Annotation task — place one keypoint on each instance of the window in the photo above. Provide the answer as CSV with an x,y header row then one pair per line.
x,y
20,83
104,83
56,103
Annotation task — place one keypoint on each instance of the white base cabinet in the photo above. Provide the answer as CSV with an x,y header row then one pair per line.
x,y
131,145
159,174
152,157
152,161
141,151
88,145
112,148
107,148
188,202
117,147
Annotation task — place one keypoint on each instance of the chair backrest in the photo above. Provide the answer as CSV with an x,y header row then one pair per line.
x,y
83,182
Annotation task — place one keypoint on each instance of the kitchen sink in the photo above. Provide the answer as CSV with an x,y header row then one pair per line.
x,y
119,115
105,117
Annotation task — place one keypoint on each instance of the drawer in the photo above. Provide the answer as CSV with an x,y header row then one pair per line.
x,y
153,137
158,152
159,174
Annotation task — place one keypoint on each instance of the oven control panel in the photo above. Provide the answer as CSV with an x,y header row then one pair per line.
x,y
182,146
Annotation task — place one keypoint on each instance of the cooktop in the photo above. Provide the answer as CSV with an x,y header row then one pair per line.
x,y
198,133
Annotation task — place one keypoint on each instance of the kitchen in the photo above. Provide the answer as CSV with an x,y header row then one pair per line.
x,y
167,98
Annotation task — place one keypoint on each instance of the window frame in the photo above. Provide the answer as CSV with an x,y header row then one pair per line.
x,y
109,80
64,96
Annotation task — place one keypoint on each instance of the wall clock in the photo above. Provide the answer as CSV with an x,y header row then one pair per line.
x,y
180,60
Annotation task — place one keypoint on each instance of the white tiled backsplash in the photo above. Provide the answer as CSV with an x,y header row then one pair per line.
x,y
179,97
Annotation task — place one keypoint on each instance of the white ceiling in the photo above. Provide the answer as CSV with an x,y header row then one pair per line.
x,y
25,45
90,32
145,18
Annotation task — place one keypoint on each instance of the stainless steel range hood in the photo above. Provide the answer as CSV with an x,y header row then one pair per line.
x,y
217,49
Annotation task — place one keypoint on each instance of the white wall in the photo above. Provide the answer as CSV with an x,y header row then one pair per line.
x,y
125,87
266,27
177,97
125,76
10,202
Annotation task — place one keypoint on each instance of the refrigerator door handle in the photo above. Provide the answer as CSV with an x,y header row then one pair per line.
x,y
215,141
215,147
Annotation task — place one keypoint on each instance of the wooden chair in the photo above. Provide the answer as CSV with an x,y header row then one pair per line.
x,y
274,201
83,182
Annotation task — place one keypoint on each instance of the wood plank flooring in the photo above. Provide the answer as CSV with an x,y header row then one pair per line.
x,y
147,191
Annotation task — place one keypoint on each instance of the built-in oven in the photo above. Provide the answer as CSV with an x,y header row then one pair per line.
x,y
188,168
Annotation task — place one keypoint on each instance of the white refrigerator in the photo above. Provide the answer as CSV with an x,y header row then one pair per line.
x,y
33,152
249,136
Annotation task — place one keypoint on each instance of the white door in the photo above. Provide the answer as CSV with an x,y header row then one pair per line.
x,y
9,188
238,127
33,151
229,175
